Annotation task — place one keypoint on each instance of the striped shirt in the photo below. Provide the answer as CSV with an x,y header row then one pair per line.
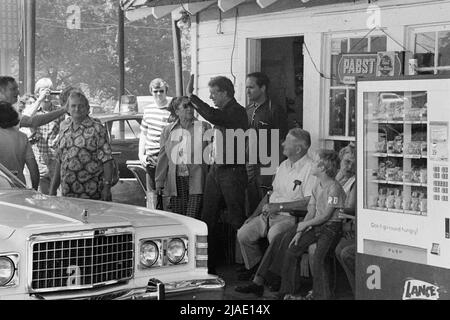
x,y
154,120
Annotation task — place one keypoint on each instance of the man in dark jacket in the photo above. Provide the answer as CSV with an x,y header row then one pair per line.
x,y
262,115
227,179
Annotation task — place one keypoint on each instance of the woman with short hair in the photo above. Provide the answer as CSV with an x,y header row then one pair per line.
x,y
83,153
346,249
177,171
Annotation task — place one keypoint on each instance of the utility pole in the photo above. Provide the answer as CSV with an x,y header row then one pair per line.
x,y
30,45
176,35
22,30
121,51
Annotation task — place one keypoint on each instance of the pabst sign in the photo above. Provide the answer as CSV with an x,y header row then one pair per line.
x,y
356,65
352,65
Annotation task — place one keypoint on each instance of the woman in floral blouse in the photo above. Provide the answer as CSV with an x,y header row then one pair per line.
x,y
84,166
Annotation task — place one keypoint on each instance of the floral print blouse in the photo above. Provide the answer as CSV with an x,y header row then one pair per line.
x,y
82,153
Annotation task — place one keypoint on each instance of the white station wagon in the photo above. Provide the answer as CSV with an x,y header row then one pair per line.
x,y
66,248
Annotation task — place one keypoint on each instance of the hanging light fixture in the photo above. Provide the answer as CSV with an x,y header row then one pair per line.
x,y
185,21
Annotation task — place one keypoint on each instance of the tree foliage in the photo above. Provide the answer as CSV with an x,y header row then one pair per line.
x,y
87,57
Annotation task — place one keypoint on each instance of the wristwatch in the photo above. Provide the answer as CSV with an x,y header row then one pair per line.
x,y
107,183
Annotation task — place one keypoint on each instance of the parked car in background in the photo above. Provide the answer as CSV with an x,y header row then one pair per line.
x,y
66,248
96,109
123,130
138,103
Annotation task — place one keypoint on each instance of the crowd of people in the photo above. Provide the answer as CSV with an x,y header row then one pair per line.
x,y
218,186
193,155
62,146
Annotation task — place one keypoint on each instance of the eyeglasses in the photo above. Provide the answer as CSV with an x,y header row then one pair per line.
x,y
158,91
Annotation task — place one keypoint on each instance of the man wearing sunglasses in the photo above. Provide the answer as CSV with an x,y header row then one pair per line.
x,y
156,117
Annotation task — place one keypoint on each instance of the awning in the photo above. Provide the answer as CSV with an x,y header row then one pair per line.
x,y
138,9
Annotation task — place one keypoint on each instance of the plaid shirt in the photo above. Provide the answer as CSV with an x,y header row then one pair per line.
x,y
45,137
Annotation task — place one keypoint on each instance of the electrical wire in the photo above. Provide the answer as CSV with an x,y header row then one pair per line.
x,y
64,21
314,64
219,24
365,37
106,25
401,45
234,45
65,27
182,6
96,28
129,25
397,42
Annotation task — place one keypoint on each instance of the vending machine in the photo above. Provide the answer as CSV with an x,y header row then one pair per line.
x,y
403,208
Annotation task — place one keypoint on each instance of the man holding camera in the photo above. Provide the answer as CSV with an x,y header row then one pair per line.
x,y
9,92
42,138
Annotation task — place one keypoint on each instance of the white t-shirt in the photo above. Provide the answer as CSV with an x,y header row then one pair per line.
x,y
287,173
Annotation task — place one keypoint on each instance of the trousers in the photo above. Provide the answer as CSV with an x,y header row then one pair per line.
x,y
224,188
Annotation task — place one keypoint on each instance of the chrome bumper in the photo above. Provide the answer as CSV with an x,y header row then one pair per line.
x,y
203,289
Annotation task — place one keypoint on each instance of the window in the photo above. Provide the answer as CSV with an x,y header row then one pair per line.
x,y
431,47
342,113
8,180
125,129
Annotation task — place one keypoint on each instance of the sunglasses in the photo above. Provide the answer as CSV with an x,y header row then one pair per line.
x,y
187,105
158,91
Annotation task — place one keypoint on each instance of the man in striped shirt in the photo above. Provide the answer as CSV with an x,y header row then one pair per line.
x,y
156,117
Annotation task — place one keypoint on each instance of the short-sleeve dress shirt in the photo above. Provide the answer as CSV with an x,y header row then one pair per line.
x,y
284,182
82,153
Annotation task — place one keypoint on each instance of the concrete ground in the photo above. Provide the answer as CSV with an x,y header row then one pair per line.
x,y
228,273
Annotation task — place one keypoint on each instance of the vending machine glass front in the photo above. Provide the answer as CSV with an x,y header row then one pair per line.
x,y
403,211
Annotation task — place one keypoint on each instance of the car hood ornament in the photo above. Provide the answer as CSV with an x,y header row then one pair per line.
x,y
84,216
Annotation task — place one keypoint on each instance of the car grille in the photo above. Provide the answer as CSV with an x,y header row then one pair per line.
x,y
89,260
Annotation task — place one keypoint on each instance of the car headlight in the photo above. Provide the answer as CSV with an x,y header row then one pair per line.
x,y
176,250
149,253
7,270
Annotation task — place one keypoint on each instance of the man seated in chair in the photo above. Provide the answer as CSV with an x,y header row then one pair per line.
x,y
292,187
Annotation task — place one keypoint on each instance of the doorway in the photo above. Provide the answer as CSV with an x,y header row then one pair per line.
x,y
281,59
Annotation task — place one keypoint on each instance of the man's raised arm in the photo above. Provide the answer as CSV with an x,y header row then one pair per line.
x,y
41,119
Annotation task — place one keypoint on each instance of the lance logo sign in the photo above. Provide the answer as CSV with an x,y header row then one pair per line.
x,y
420,290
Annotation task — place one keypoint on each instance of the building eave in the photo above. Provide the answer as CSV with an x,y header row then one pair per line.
x,y
138,9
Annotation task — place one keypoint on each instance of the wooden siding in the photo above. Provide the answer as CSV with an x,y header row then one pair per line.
x,y
212,52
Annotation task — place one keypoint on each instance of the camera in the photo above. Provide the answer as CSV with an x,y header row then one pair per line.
x,y
55,92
